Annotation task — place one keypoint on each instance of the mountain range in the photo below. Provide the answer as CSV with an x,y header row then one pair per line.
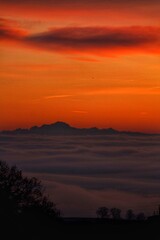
x,y
62,128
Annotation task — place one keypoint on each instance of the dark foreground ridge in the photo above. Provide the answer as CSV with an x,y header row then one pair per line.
x,y
34,228
62,128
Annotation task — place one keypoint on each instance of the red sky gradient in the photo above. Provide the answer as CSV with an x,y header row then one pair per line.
x,y
89,63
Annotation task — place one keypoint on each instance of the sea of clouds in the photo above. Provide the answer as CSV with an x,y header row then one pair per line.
x,y
81,173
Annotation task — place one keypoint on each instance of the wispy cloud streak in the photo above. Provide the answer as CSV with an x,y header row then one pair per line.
x,y
58,96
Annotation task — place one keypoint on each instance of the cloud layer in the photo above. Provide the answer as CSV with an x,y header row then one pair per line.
x,y
83,173
71,3
103,41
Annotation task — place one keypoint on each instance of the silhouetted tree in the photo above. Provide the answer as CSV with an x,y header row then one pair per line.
x,y
102,212
19,194
116,213
130,215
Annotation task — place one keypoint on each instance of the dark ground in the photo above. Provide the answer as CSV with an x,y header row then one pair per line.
x,y
79,229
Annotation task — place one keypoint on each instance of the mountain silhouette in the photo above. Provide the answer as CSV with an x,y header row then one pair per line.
x,y
62,128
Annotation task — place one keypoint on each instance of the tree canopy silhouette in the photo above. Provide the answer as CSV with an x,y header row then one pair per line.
x,y
130,214
102,212
116,213
21,195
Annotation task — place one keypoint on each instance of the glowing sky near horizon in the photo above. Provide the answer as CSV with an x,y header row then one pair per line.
x,y
88,63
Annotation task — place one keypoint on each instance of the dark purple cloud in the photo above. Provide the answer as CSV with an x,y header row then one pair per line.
x,y
96,37
97,40
87,40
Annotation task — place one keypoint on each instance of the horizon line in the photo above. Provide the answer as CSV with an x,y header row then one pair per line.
x,y
70,125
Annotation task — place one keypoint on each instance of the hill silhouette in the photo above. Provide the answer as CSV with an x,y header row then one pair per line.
x,y
62,128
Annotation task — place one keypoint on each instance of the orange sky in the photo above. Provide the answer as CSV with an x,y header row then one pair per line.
x,y
89,63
